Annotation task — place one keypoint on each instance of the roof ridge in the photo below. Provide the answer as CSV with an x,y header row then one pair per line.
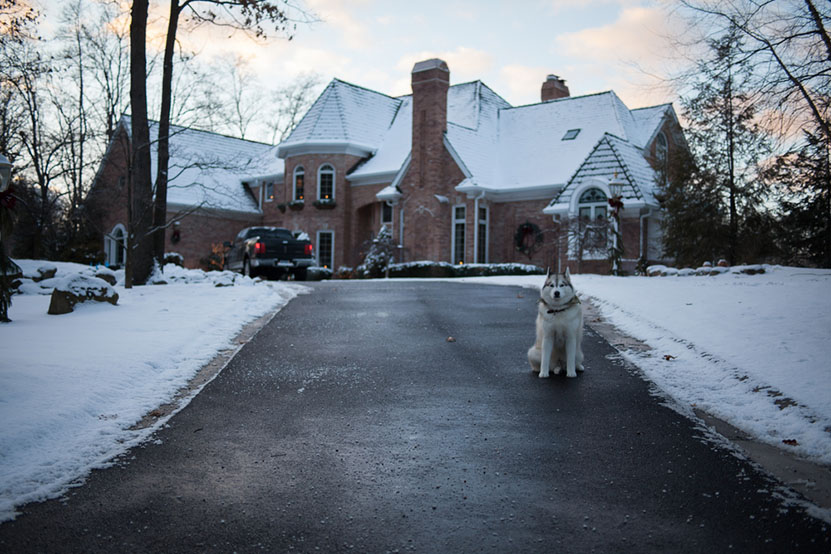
x,y
560,100
150,122
353,85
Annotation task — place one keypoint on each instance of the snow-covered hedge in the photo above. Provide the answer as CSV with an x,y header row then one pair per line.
x,y
664,271
424,269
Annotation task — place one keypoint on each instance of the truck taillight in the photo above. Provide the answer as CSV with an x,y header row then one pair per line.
x,y
309,249
259,248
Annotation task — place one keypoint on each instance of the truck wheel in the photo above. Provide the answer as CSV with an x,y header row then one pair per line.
x,y
300,274
247,270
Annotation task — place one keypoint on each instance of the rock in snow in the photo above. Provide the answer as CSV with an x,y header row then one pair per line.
x,y
80,288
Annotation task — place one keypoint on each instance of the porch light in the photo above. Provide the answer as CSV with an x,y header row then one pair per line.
x,y
616,187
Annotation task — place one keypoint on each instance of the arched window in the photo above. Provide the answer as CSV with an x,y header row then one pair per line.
x,y
661,151
326,182
592,204
115,246
297,188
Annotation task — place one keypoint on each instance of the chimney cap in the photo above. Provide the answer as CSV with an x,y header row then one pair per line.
x,y
433,63
552,77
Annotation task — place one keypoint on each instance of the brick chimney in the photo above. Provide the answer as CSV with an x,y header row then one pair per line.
x,y
430,81
427,219
554,88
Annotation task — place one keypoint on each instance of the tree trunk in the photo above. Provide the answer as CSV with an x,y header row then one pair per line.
x,y
160,206
140,224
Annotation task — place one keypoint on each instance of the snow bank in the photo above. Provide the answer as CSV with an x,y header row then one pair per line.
x,y
753,350
71,386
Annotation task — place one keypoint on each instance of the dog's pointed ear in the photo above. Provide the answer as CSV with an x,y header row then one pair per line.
x,y
548,272
568,274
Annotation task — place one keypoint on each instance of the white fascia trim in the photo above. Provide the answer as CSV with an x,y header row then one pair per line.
x,y
456,157
325,147
376,178
565,207
518,194
390,196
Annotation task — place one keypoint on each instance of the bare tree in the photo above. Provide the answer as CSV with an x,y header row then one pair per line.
x,y
788,46
292,102
245,15
140,191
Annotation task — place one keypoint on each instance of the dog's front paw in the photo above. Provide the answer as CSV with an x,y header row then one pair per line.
x,y
571,374
543,375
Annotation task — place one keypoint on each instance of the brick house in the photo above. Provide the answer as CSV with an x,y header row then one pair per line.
x,y
457,173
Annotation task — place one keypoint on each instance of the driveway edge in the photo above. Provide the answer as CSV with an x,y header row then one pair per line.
x,y
811,480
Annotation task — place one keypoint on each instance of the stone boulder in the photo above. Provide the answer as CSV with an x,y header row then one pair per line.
x,y
80,288
107,274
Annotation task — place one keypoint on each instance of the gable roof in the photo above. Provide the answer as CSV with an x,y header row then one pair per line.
x,y
205,168
345,117
612,157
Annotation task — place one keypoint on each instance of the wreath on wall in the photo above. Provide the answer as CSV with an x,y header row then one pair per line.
x,y
528,238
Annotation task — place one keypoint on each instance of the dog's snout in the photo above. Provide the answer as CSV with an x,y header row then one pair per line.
x,y
556,294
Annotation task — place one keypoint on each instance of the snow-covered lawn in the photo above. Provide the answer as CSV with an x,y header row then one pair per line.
x,y
72,385
753,350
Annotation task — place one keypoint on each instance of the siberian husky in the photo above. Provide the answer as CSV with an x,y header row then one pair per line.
x,y
559,328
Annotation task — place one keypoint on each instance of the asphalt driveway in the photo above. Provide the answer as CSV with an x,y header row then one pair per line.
x,y
351,423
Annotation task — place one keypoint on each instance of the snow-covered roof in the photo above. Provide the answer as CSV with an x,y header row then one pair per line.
x,y
345,117
206,169
611,158
502,150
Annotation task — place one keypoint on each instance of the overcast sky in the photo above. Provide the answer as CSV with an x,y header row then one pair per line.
x,y
511,46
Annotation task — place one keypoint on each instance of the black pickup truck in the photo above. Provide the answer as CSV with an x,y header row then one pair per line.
x,y
270,251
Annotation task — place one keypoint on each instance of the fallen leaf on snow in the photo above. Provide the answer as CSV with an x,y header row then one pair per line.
x,y
791,442
669,357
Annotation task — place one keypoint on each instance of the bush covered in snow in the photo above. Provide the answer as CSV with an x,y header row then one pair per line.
x,y
427,269
706,269
381,254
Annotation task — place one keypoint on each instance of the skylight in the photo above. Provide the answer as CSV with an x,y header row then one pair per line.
x,y
571,134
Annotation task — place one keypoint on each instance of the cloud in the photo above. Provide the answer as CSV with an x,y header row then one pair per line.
x,y
465,63
338,14
626,54
523,82
638,34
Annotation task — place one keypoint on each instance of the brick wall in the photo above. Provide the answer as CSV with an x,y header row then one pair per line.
x,y
505,219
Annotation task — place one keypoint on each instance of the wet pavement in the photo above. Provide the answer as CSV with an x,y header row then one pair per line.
x,y
351,423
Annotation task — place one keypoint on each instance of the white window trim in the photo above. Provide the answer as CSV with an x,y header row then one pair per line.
x,y
265,191
317,249
334,174
453,222
486,221
392,214
297,169
110,243
600,254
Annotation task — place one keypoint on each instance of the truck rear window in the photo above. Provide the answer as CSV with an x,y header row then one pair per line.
x,y
270,233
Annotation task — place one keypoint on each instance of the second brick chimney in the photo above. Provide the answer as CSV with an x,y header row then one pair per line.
x,y
554,88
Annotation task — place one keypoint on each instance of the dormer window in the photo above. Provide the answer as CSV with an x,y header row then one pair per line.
x,y
571,134
326,182
297,189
